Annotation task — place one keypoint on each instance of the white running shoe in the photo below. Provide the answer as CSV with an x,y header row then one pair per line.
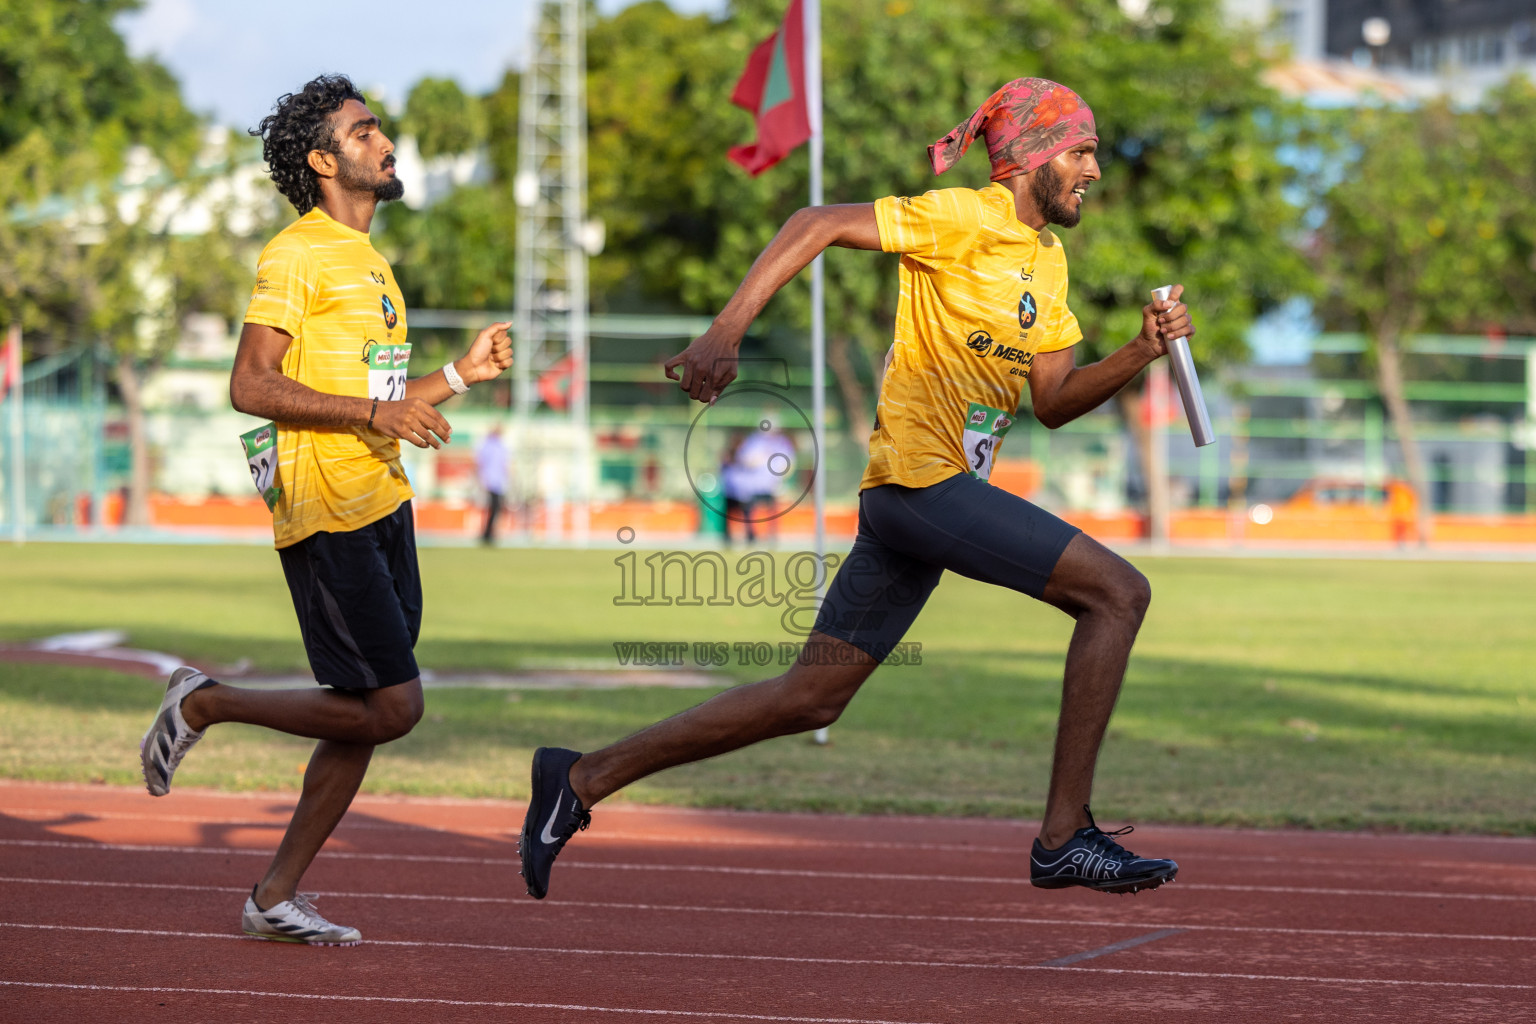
x,y
170,737
295,920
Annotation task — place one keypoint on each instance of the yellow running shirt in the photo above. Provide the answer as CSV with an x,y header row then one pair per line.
x,y
981,293
323,284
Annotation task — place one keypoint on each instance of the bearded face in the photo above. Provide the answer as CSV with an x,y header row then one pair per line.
x,y
1055,198
357,176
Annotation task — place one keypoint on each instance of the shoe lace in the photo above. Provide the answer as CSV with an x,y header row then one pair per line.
x,y
182,744
578,822
1105,841
302,903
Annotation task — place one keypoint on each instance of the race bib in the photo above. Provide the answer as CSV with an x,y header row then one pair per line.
x,y
261,452
984,430
386,370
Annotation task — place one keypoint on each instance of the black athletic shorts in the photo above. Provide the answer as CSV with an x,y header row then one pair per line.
x,y
358,596
908,536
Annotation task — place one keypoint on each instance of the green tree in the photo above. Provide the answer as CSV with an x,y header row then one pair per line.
x,y
443,120
72,102
1192,191
1505,129
459,252
85,254
141,278
1430,229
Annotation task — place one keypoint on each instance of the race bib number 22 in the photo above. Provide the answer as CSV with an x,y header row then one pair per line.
x,y
386,370
261,452
984,430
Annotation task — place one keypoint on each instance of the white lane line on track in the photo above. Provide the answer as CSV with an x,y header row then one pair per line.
x,y
868,876
427,1001
805,960
525,904
1204,833
509,834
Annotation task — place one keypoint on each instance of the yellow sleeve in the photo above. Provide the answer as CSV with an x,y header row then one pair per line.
x,y
1064,333
1063,330
933,229
285,286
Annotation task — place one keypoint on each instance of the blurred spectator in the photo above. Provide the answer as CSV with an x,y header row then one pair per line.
x,y
755,467
491,462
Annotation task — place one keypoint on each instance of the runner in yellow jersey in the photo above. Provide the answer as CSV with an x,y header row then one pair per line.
x,y
324,355
983,312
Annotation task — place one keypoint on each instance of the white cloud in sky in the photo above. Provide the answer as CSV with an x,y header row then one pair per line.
x,y
233,59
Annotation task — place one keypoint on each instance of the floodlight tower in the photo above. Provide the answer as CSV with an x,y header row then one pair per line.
x,y
553,236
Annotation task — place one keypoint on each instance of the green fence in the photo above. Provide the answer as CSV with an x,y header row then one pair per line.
x,y
1474,403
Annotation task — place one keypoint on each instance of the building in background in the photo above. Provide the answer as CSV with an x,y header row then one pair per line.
x,y
1464,43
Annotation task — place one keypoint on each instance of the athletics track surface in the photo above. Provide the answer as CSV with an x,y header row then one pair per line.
x,y
115,906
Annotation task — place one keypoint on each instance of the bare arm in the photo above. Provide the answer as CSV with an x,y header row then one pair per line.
x,y
1061,391
709,364
490,354
259,387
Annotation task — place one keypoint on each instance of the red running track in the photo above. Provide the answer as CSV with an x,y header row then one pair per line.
x,y
115,906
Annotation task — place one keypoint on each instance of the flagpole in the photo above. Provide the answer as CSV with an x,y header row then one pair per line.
x,y
812,12
812,32
18,457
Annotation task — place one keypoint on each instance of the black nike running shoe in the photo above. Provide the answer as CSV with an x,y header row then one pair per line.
x,y
1093,859
554,815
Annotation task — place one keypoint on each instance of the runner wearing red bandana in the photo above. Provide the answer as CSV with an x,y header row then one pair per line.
x,y
983,312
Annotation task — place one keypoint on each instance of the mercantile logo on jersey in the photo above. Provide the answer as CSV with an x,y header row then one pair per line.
x,y
980,342
391,318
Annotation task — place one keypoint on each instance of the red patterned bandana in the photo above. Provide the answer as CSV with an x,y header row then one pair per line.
x,y
1025,123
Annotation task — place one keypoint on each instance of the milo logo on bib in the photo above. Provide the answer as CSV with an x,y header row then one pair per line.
x,y
984,430
386,370
261,452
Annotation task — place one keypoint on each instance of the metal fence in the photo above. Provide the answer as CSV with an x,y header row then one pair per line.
x,y
63,461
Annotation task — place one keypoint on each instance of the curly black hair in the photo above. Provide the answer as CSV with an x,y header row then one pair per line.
x,y
300,122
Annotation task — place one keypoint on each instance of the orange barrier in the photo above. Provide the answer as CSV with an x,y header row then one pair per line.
x,y
672,519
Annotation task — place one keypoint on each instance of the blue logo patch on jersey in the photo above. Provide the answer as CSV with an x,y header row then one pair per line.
x,y
1027,311
390,316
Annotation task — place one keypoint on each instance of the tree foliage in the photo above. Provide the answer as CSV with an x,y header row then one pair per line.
x,y
443,120
99,158
458,253
1192,188
68,85
1432,227
72,104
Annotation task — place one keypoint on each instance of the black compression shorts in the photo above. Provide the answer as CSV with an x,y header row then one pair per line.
x,y
358,597
908,536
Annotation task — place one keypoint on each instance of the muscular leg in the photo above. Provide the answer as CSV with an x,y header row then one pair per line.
x,y
330,782
348,723
342,716
809,696
1108,597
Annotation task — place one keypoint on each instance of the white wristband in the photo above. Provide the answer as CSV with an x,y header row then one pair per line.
x,y
454,380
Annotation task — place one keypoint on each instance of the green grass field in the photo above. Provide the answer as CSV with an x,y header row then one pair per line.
x,y
1337,693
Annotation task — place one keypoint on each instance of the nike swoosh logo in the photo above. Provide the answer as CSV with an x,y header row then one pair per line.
x,y
546,836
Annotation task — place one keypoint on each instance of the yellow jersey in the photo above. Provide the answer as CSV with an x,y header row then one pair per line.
x,y
981,294
322,283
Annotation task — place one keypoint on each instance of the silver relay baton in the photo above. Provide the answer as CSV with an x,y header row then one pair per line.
x,y
1189,381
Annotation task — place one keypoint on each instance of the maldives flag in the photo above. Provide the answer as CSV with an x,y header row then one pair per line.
x,y
772,88
10,361
554,384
